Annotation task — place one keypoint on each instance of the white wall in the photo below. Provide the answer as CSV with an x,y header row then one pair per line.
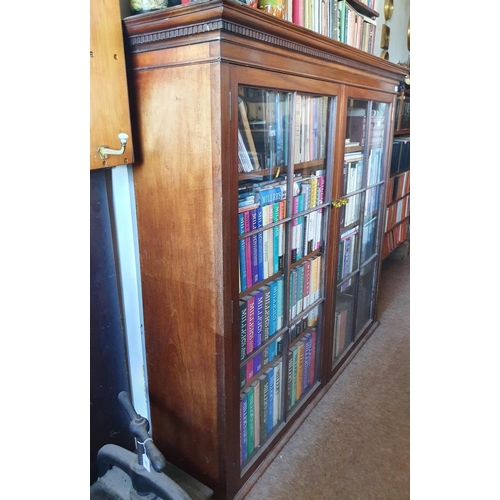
x,y
398,23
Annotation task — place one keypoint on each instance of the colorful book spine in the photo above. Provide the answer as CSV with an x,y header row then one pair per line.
x,y
273,285
248,262
313,356
250,300
290,379
295,359
270,399
244,427
306,376
300,368
242,265
276,246
256,403
277,393
280,302
251,421
243,329
264,387
258,317
266,292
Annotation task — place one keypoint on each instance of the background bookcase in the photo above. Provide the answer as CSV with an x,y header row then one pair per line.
x,y
259,255
397,221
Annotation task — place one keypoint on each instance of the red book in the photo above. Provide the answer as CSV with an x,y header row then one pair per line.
x,y
298,12
250,300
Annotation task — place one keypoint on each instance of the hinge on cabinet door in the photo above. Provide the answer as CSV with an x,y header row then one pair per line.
x,y
230,109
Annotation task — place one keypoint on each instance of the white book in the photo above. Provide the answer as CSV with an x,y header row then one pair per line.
x,y
265,246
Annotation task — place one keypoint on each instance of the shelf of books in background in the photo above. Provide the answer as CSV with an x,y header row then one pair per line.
x,y
280,258
398,197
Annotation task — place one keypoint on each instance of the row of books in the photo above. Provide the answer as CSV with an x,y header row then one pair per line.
x,y
263,129
301,367
398,186
311,118
263,203
260,256
320,17
347,252
306,234
355,29
352,174
400,159
305,289
342,323
397,212
250,219
260,410
394,237
309,191
252,367
261,315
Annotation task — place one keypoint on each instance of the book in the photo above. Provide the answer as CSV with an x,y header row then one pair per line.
x,y
256,404
252,152
243,329
266,292
277,393
280,282
258,317
250,301
273,285
270,399
300,368
244,427
263,406
251,420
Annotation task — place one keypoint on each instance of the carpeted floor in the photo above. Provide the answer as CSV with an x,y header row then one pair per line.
x,y
355,444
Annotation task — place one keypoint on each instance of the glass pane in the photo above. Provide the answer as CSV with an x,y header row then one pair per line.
x,y
344,308
370,224
376,143
348,253
357,112
366,288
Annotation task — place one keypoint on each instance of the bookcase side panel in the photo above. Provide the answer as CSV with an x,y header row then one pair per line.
x,y
181,278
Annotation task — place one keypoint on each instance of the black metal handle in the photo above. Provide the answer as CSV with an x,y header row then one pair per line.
x,y
139,427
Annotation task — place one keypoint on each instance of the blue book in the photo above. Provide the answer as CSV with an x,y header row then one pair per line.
x,y
241,224
242,266
254,255
276,249
257,363
258,318
244,426
273,320
279,302
270,399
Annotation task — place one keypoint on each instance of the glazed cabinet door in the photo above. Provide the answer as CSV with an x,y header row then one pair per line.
x,y
361,216
285,169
